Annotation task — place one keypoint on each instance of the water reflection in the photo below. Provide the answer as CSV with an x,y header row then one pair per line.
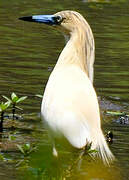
x,y
96,1
106,1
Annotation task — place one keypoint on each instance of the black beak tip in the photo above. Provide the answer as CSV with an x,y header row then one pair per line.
x,y
28,18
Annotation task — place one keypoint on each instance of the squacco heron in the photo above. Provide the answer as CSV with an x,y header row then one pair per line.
x,y
70,106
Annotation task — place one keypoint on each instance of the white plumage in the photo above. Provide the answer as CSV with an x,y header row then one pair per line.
x,y
70,106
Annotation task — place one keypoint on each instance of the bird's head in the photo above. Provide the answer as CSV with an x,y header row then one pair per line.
x,y
67,21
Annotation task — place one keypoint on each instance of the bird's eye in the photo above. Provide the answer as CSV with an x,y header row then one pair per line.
x,y
58,19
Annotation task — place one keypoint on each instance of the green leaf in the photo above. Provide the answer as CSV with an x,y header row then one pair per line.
x,y
14,97
21,148
7,104
17,107
4,106
12,138
27,147
5,97
1,106
92,151
39,95
21,99
2,157
117,113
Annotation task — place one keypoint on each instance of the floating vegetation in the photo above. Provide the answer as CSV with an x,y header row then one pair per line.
x,y
123,117
116,113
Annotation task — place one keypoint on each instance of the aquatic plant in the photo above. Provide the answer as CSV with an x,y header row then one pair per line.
x,y
39,95
89,150
2,158
3,107
116,113
12,137
123,116
14,100
26,149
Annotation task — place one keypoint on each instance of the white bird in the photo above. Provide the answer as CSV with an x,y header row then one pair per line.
x,y
70,106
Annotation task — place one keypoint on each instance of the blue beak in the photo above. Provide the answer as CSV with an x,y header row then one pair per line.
x,y
46,19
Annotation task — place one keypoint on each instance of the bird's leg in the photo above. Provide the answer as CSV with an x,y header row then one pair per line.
x,y
55,153
52,140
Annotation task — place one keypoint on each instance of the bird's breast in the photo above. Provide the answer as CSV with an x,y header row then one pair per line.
x,y
68,90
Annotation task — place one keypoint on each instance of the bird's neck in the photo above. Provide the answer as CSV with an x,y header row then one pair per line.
x,y
78,51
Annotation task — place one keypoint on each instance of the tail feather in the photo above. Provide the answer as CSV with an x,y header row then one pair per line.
x,y
103,150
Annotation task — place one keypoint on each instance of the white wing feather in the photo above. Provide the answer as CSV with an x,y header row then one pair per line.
x,y
69,107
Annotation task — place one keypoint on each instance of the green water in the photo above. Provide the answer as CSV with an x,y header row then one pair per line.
x,y
28,52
